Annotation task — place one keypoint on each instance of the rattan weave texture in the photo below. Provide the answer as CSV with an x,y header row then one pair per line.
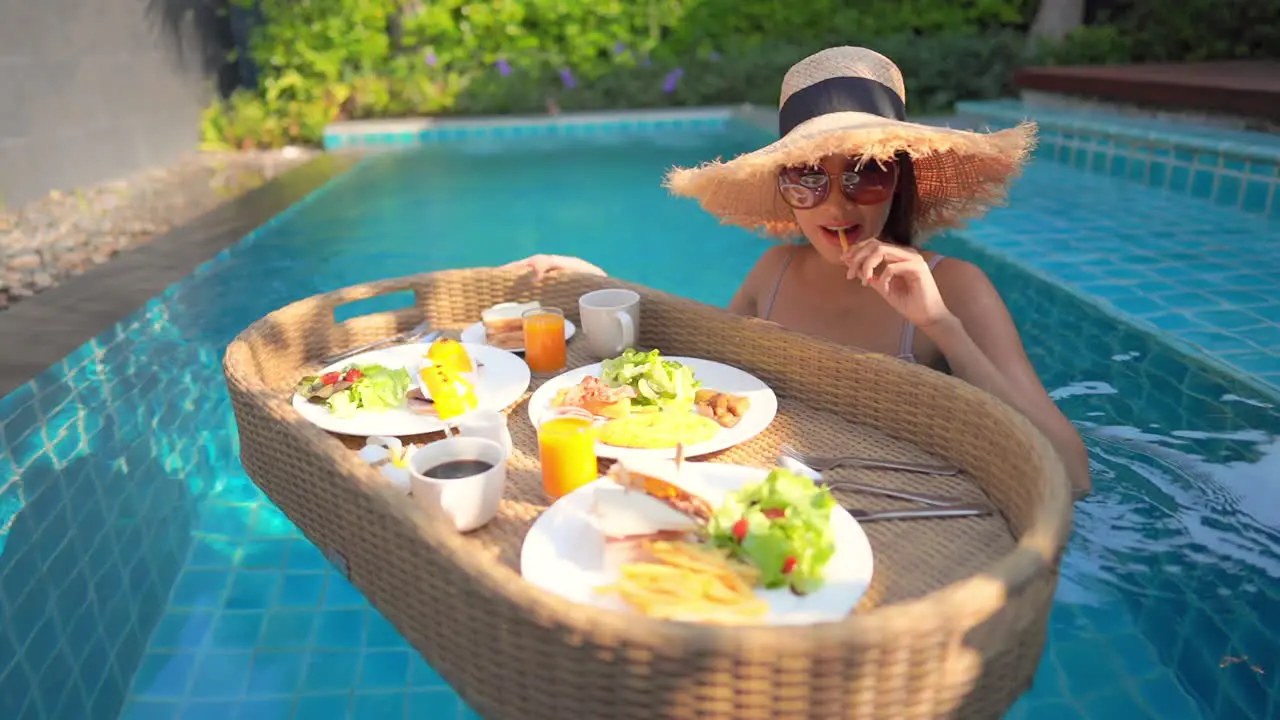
x,y
953,625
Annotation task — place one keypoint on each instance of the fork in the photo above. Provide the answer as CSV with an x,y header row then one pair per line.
x,y
939,501
421,332
966,510
822,464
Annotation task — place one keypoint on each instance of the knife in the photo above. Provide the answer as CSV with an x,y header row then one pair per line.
x,y
964,510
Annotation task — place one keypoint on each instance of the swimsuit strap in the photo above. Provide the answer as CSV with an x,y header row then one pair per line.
x,y
906,345
777,284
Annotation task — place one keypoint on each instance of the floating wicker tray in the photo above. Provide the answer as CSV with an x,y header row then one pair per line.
x,y
954,622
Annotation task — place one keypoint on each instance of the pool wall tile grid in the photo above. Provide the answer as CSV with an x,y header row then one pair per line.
x,y
393,134
89,544
1197,611
1203,274
1233,169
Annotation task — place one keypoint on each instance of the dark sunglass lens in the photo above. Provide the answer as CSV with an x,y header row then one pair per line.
x,y
872,183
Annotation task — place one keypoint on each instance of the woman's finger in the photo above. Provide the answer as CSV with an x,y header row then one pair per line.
x,y
874,261
904,270
855,254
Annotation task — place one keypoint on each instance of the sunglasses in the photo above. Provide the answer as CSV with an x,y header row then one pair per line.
x,y
805,187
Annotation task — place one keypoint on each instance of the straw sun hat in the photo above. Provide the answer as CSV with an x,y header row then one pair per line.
x,y
849,100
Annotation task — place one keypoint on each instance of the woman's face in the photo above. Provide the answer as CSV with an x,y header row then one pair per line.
x,y
835,195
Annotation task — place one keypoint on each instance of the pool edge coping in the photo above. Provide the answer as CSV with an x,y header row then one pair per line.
x,y
52,324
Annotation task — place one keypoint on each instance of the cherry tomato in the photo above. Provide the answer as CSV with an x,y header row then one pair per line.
x,y
353,375
740,529
788,565
330,378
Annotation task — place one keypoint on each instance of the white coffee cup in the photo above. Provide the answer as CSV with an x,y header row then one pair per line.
x,y
488,424
610,320
470,501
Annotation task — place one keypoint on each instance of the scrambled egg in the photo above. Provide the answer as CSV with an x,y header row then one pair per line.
x,y
658,430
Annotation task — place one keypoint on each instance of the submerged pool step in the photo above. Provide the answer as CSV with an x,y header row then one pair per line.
x,y
1201,275
1234,169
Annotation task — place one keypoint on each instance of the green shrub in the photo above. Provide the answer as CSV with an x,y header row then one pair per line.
x,y
327,60
1172,31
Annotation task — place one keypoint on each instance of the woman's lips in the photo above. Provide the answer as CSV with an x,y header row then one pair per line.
x,y
851,233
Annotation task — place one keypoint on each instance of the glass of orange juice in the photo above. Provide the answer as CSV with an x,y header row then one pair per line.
x,y
567,453
544,343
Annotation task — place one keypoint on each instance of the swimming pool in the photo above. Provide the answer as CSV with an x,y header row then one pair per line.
x,y
142,569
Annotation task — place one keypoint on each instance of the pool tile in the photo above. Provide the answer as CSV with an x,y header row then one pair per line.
x,y
164,675
1229,320
331,671
139,709
1218,343
301,589
210,710
342,594
222,675
379,705
276,672
236,631
340,629
182,630
435,704
1111,703
380,633
253,590
288,629
265,709
328,706
422,676
201,589
384,670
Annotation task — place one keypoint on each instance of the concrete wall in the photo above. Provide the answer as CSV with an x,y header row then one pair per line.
x,y
92,90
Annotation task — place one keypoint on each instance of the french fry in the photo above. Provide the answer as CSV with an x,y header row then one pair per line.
x,y
692,582
844,244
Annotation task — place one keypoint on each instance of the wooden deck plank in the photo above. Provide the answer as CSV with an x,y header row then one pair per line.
x,y
1243,88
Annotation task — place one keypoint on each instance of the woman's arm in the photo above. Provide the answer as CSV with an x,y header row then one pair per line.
x,y
983,348
543,264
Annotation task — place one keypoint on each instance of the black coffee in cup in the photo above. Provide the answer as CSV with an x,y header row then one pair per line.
x,y
457,469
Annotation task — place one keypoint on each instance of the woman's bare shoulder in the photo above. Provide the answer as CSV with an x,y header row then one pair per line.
x,y
759,281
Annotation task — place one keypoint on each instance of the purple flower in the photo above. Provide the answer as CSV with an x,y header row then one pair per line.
x,y
619,48
504,67
644,61
566,77
672,80
713,56
430,58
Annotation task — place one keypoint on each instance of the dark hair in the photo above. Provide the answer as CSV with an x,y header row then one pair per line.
x,y
900,226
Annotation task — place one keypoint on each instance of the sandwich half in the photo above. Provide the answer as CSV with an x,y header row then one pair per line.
x,y
648,503
504,324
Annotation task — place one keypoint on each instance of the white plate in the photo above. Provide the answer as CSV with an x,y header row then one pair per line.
x,y
712,375
563,552
502,380
475,334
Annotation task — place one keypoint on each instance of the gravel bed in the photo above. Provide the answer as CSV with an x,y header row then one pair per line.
x,y
65,233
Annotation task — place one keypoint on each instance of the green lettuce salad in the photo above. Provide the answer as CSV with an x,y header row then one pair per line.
x,y
782,526
659,384
357,387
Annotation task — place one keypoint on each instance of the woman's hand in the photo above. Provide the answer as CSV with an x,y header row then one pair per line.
x,y
541,265
904,281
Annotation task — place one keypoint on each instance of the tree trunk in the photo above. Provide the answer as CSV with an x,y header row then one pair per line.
x,y
1056,18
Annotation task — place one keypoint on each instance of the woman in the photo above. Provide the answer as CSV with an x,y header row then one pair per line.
x,y
864,188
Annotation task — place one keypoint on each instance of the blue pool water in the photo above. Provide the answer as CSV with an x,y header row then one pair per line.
x,y
143,575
